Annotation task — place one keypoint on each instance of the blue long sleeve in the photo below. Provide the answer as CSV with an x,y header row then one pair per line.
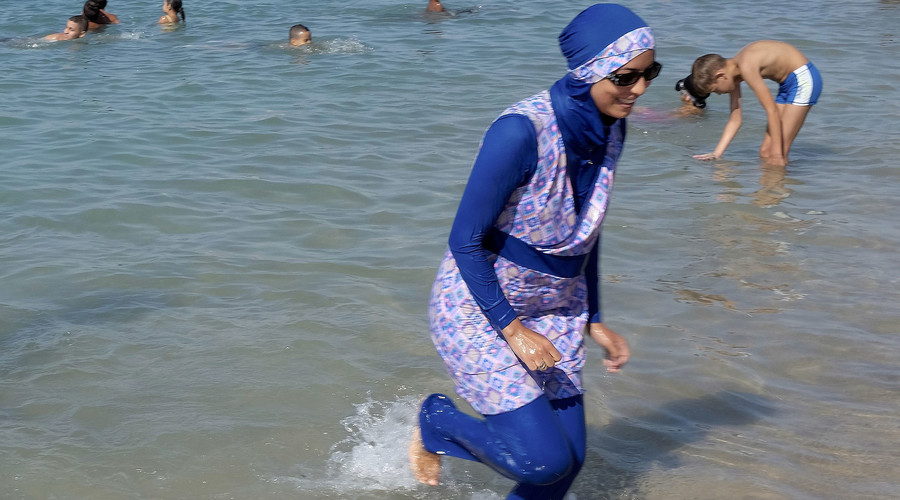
x,y
506,160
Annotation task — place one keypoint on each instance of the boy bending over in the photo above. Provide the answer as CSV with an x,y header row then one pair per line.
x,y
800,86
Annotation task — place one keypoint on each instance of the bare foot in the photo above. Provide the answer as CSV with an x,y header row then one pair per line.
x,y
426,466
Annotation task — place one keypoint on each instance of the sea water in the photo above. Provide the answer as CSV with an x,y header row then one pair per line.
x,y
216,252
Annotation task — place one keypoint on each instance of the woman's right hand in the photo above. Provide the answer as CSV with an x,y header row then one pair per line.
x,y
531,347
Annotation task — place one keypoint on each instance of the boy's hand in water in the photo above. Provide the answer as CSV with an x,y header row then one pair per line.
x,y
706,156
532,348
617,352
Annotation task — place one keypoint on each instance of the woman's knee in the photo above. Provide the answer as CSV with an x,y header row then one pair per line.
x,y
548,466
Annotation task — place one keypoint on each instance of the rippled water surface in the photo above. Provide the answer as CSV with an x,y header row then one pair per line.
x,y
216,251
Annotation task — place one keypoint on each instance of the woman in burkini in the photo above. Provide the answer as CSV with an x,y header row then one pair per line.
x,y
519,284
172,8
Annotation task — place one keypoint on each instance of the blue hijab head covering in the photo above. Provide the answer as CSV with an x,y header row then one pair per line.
x,y
600,40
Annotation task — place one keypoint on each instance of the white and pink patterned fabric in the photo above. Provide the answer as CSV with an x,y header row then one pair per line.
x,y
615,55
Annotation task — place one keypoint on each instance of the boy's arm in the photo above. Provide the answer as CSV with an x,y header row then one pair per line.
x,y
731,128
773,119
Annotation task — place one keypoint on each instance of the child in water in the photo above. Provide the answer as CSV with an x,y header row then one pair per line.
x,y
172,8
76,27
299,35
800,86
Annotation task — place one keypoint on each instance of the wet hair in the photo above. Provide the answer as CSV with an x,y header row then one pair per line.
x,y
91,10
704,71
297,29
81,21
176,5
687,86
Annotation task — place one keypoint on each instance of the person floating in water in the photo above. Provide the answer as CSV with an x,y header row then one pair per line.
x,y
172,9
76,27
94,11
800,86
299,35
434,6
518,289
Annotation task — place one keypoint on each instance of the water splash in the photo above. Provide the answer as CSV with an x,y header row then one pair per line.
x,y
373,455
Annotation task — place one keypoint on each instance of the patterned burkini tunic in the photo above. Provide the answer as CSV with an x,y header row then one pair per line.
x,y
542,214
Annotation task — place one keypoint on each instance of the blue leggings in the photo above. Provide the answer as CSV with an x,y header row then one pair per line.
x,y
541,445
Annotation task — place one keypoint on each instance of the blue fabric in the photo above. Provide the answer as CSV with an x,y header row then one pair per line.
x,y
595,28
506,160
801,93
523,254
541,445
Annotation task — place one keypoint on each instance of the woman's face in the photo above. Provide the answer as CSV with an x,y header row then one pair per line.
x,y
616,101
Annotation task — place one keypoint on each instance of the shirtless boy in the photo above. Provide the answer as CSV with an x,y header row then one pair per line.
x,y
76,27
800,86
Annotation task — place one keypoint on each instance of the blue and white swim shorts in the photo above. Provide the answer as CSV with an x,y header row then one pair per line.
x,y
801,88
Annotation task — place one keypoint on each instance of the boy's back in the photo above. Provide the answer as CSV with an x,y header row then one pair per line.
x,y
771,59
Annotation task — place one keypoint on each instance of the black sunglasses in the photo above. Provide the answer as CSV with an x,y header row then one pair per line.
x,y
630,78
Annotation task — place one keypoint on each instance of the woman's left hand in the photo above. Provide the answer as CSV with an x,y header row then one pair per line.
x,y
617,352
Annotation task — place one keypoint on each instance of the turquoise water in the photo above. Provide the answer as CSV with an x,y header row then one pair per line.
x,y
216,252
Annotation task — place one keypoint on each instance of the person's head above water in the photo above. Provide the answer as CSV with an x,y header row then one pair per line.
x,y
434,6
687,88
299,35
91,11
172,9
610,55
76,27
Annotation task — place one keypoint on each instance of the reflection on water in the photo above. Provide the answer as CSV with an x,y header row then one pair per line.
x,y
772,179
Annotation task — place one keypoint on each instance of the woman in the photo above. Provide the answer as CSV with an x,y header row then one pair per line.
x,y
518,285
172,8
96,16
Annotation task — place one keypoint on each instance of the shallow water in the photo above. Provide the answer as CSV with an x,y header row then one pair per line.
x,y
216,251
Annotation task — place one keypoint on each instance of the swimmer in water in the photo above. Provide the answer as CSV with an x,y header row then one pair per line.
x,y
299,35
434,6
76,27
172,8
